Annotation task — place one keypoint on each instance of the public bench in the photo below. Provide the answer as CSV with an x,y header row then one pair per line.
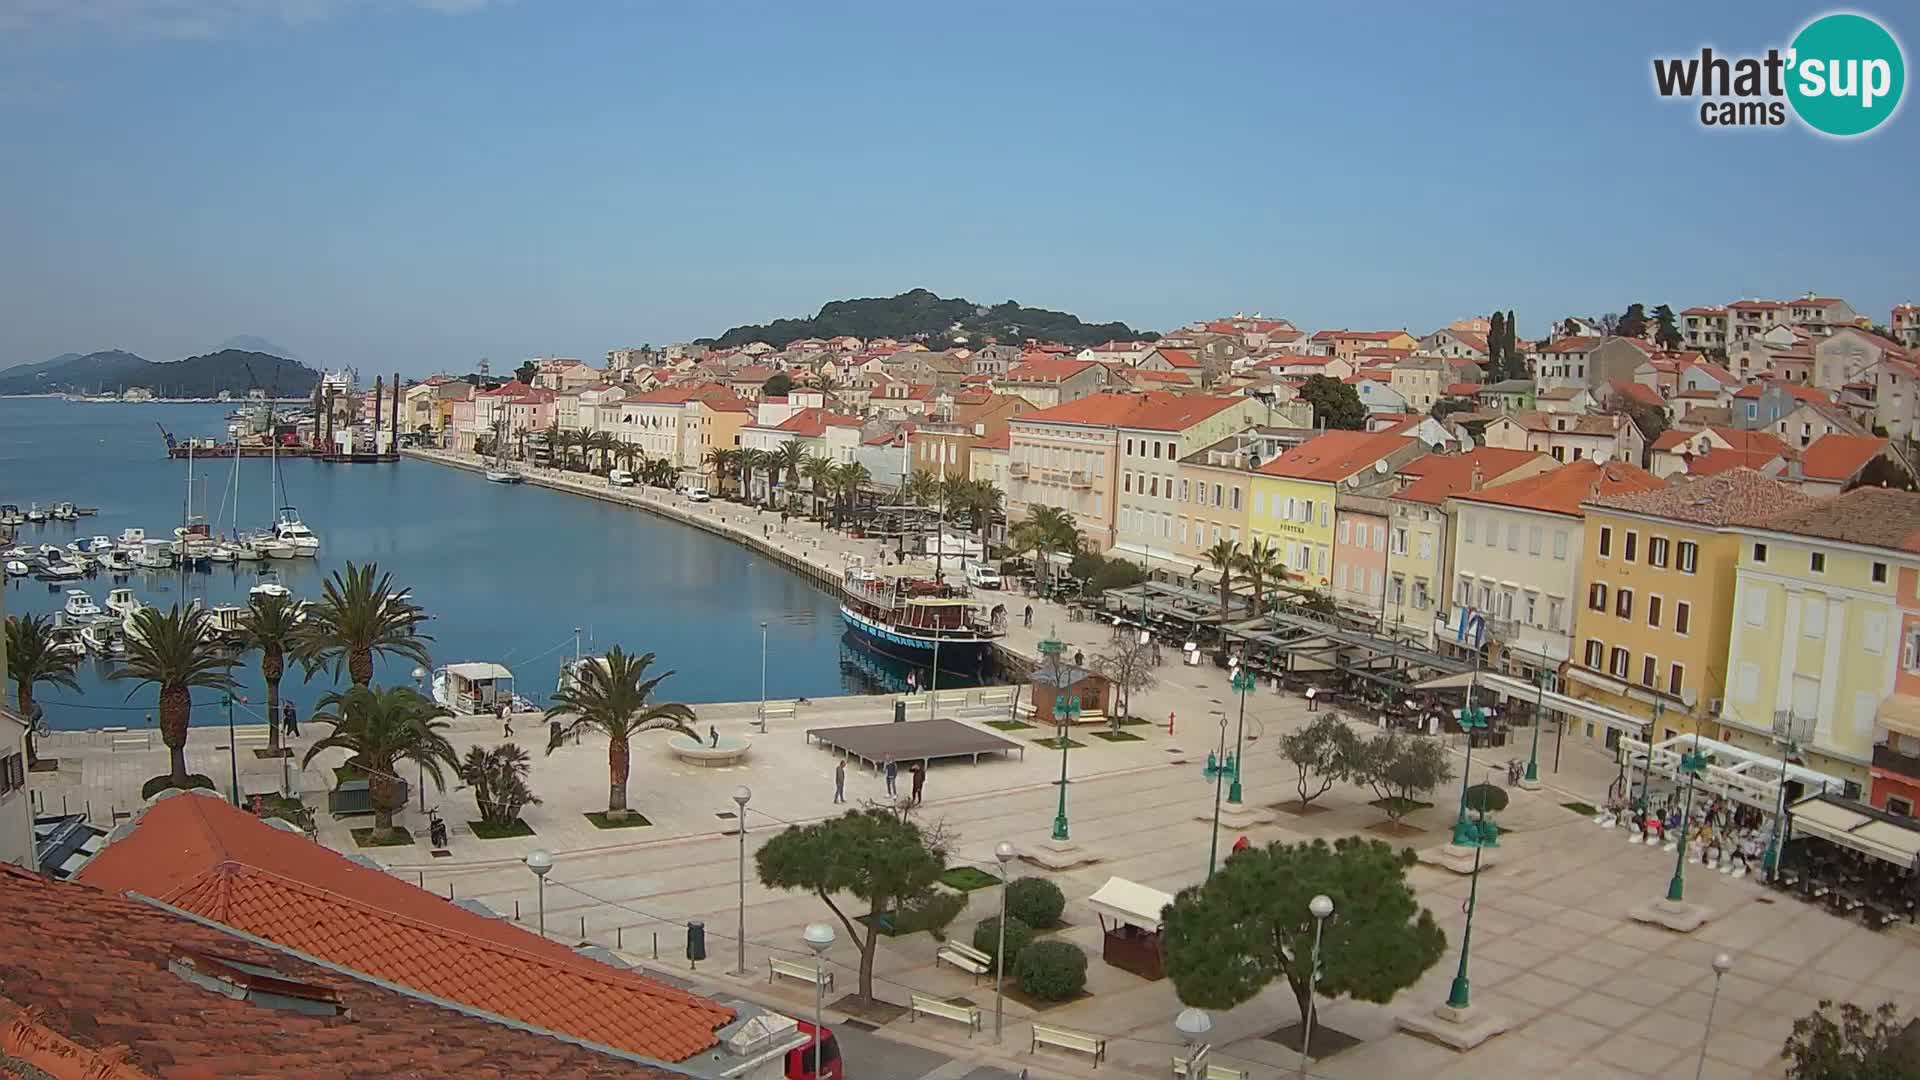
x,y
946,1010
965,957
805,973
778,710
1183,1068
1068,1039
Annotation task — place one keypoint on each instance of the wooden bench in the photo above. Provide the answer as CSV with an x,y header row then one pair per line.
x,y
950,699
778,710
1183,1068
946,1010
965,957
131,742
996,698
799,973
1067,1039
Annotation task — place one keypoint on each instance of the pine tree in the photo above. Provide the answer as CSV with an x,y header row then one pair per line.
x,y
1666,332
1634,323
1496,349
1516,364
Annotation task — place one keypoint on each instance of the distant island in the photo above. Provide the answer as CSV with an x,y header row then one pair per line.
x,y
233,370
919,315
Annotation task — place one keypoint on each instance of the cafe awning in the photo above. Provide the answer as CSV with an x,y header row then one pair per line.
x,y
1860,827
1131,903
1901,713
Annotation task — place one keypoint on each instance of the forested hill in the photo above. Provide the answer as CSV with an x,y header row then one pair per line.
x,y
920,315
111,372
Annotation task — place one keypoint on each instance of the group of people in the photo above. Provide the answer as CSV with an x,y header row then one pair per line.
x,y
889,768
1723,831
289,719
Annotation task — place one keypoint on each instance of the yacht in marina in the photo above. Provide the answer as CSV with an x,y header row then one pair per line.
x,y
288,529
121,603
80,606
269,585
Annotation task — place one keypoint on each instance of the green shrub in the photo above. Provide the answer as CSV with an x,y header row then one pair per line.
x,y
1486,799
1036,902
986,937
164,782
1052,970
931,912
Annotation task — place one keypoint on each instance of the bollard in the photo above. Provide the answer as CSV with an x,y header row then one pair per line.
x,y
656,944
516,911
420,878
583,928
449,890
620,937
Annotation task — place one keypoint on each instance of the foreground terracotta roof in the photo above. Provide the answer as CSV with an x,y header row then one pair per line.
x,y
1878,517
1739,497
221,863
1334,456
86,994
1442,475
1718,461
1835,456
1565,488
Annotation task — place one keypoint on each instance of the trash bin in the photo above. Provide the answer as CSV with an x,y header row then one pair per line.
x,y
696,940
899,711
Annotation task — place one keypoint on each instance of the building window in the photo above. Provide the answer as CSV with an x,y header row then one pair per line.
x,y
1649,671
1879,573
1818,562
1596,655
1493,532
1606,542
1346,531
1759,553
1689,556
1535,535
1653,611
1676,679
1899,806
1682,617
1126,483
1620,664
1185,491
1597,596
1467,527
1623,603
1657,551
1633,541
1463,593
1236,498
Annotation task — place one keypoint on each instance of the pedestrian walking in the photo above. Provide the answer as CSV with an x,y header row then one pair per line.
x,y
893,773
713,734
1029,616
1079,658
290,718
1313,699
919,781
840,781
506,723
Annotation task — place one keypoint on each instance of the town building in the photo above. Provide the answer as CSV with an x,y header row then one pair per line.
x,y
1658,570
1295,494
1067,456
1605,437
1153,437
1905,325
16,802
1046,381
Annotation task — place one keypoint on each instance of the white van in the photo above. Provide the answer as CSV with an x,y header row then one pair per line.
x,y
982,576
696,494
620,478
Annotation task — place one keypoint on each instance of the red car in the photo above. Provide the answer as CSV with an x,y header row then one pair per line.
x,y
800,1059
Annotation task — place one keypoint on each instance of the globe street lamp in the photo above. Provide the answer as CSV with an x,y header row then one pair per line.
x,y
1217,769
1472,718
741,795
1792,731
1066,710
1539,718
1721,965
540,861
1243,684
1320,907
819,938
419,681
1003,852
1194,1024
1458,995
1693,763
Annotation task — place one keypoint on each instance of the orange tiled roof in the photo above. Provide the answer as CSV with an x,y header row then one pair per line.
x,y
1880,517
1640,392
94,969
216,861
1334,456
1836,456
1735,497
1442,475
1179,358
1562,490
1041,367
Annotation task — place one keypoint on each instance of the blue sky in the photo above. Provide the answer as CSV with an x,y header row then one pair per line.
x,y
416,185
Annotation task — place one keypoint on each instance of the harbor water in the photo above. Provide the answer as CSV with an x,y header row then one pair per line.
x,y
507,573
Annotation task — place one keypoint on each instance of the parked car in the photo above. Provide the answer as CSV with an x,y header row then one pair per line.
x,y
620,478
982,576
696,494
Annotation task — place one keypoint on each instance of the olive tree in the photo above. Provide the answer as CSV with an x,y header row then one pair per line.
x,y
1324,752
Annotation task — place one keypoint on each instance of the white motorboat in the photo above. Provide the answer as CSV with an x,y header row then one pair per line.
x,y
63,570
121,602
475,688
99,545
247,551
131,539
223,553
154,555
76,547
269,586
80,606
16,568
64,511
17,553
52,552
272,548
117,562
65,639
11,515
223,621
35,514
507,475
290,530
104,639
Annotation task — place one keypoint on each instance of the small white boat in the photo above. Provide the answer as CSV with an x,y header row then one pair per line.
x,y
80,606
154,555
117,562
121,601
64,512
269,586
474,689
223,621
63,570
35,514
76,547
290,530
66,639
272,548
16,568
17,553
52,552
99,545
247,551
11,515
223,553
131,539
104,639
505,476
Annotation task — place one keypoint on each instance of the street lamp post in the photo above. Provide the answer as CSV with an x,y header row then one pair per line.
x,y
419,683
819,938
1721,965
1539,718
1066,709
1693,763
1465,832
1789,740
1002,852
233,759
1243,685
540,861
1320,907
763,678
1194,1024
1219,769
741,795
1458,997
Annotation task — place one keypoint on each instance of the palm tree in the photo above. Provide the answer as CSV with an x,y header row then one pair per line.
x,y
583,438
556,442
1225,557
983,502
823,381
785,461
268,625
611,695
175,652
358,615
752,464
1047,530
603,443
659,472
724,460
1262,563
382,728
819,473
923,488
627,454
31,659
849,478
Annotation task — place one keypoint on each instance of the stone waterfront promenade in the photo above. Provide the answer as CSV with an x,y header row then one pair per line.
x,y
1590,992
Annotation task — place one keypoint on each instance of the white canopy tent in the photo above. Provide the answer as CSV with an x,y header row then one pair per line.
x,y
1130,903
1845,824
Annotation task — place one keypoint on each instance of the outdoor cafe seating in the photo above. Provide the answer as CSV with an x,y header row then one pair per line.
x,y
1853,859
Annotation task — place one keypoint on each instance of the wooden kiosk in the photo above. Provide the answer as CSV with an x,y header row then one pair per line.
x,y
1130,924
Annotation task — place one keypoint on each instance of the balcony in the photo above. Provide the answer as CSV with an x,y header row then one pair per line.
x,y
1017,468
1893,761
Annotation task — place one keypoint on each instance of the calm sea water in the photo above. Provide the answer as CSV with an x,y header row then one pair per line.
x,y
506,572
